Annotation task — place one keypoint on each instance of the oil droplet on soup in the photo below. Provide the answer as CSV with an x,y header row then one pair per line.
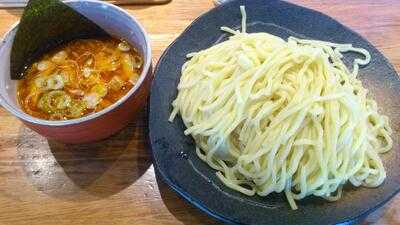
x,y
78,78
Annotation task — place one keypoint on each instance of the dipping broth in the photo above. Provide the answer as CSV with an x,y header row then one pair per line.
x,y
79,78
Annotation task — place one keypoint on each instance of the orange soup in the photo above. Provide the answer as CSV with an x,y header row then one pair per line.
x,y
81,77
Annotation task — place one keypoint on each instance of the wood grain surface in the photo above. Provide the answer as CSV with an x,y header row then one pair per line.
x,y
113,181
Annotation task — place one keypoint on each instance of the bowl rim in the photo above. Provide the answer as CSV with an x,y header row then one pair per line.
x,y
143,75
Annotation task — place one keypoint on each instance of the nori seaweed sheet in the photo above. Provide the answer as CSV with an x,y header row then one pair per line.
x,y
46,24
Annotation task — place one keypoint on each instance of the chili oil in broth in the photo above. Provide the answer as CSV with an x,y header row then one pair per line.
x,y
79,78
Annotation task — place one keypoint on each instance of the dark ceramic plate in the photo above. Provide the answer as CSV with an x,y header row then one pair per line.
x,y
174,154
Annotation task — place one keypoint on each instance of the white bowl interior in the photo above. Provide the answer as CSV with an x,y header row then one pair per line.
x,y
112,19
8,87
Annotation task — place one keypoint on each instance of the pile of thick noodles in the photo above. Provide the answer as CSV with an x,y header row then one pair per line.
x,y
273,115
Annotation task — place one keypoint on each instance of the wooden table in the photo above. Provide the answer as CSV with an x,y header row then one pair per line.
x,y
113,182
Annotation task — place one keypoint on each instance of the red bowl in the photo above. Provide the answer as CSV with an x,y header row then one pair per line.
x,y
110,120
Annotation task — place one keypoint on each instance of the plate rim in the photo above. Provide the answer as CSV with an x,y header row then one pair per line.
x,y
193,201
